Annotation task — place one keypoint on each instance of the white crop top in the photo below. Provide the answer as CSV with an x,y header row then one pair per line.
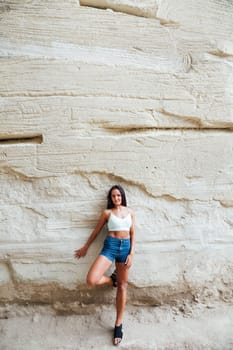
x,y
119,224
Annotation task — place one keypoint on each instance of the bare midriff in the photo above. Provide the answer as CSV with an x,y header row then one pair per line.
x,y
119,234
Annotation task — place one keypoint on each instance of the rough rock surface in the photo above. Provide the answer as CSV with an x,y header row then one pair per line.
x,y
145,328
141,96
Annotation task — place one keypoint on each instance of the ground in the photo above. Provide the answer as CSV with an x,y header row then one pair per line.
x,y
159,328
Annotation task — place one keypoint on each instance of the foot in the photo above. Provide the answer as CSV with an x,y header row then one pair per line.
x,y
114,278
118,335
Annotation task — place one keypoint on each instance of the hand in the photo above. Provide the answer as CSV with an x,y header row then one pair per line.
x,y
128,261
80,253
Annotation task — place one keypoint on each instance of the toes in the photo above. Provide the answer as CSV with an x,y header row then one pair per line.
x,y
117,341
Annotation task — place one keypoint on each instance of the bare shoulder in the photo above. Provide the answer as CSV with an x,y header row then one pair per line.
x,y
131,211
106,213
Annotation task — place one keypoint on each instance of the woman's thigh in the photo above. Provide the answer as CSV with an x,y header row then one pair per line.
x,y
98,268
122,273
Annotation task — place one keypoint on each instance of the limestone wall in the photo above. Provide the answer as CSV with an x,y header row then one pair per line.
x,y
103,92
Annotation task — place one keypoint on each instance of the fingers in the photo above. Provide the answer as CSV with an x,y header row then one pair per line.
x,y
78,253
128,262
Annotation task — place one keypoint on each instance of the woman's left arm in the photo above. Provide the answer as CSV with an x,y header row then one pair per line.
x,y
129,259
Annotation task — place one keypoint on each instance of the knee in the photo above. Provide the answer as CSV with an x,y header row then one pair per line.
x,y
122,286
91,281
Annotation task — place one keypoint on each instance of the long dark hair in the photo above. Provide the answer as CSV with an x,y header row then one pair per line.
x,y
110,204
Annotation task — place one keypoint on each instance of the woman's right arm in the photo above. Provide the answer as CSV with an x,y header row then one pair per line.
x,y
78,253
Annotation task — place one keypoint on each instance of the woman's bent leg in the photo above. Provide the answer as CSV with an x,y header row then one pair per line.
x,y
95,275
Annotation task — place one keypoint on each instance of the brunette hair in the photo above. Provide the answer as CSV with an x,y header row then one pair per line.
x,y
110,204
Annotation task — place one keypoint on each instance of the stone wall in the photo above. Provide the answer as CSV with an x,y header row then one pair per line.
x,y
103,92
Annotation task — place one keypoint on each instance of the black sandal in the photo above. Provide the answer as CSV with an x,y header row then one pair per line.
x,y
118,333
114,279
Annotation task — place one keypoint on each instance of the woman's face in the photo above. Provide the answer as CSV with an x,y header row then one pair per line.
x,y
116,197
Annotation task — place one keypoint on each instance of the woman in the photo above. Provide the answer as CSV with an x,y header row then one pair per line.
x,y
119,246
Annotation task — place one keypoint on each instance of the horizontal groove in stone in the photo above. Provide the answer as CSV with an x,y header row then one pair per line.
x,y
20,139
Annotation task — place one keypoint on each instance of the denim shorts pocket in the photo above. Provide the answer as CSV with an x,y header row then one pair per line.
x,y
107,243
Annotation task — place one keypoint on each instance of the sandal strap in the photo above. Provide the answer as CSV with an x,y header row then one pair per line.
x,y
114,279
118,333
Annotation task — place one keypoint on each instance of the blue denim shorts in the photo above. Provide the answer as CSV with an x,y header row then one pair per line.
x,y
116,249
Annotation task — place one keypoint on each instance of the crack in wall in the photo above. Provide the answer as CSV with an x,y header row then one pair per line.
x,y
37,212
221,54
198,123
168,23
147,11
10,268
127,130
114,178
128,182
138,11
20,139
7,170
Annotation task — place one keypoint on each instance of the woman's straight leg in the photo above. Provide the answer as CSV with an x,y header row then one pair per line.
x,y
122,279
